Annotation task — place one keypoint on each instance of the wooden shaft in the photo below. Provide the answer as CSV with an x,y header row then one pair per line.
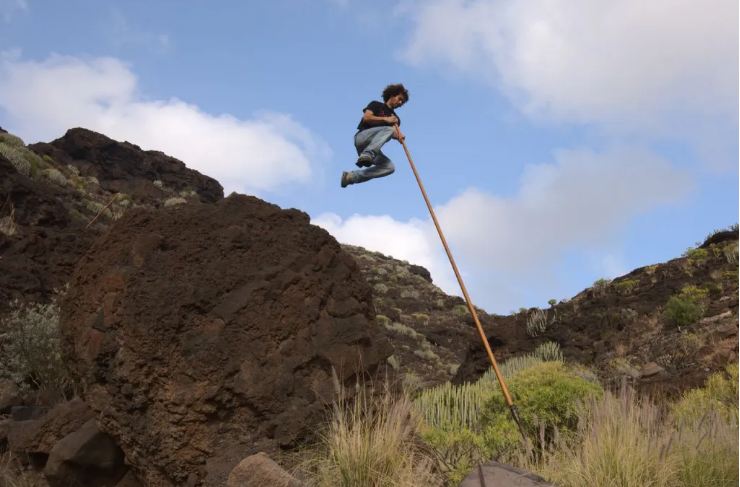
x,y
101,211
468,301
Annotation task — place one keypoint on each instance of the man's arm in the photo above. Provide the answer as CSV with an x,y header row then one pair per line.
x,y
371,119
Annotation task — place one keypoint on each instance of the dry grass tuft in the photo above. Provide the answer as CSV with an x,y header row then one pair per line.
x,y
370,441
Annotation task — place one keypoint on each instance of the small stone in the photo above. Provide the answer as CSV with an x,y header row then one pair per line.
x,y
650,369
260,470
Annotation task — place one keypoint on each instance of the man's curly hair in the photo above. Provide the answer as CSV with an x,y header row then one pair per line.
x,y
395,89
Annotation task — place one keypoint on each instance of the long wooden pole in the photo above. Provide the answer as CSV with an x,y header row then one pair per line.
x,y
101,211
468,301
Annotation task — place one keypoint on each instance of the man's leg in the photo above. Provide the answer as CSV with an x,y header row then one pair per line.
x,y
382,166
369,141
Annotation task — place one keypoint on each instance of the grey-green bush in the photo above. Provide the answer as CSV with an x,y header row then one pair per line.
x,y
30,348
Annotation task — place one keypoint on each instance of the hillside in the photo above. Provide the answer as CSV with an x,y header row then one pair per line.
x,y
619,327
198,329
51,191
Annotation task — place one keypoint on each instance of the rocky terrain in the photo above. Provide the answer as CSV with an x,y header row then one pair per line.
x,y
202,329
623,329
200,347
49,193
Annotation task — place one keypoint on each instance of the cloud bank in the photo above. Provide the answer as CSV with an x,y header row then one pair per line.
x,y
514,246
664,67
43,99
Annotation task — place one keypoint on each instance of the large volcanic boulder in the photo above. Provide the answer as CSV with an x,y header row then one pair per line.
x,y
208,332
122,167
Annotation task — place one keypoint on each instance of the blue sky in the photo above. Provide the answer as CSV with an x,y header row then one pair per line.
x,y
561,141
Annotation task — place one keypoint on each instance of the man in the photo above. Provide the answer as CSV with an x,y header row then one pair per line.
x,y
377,126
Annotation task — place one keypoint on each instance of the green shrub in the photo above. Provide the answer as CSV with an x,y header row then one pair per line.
x,y
11,140
622,441
687,307
719,394
730,252
30,349
24,160
547,396
600,285
451,416
626,286
15,156
696,256
457,451
55,176
549,352
174,201
461,310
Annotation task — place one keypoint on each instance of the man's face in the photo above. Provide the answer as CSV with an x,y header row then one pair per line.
x,y
396,101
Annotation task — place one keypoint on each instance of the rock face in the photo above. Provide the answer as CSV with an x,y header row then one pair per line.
x,y
46,206
121,167
621,329
208,332
40,239
429,331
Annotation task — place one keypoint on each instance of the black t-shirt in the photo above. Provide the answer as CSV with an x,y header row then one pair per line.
x,y
379,109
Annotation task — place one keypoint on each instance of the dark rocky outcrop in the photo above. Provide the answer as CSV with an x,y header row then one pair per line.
x,y
208,332
46,208
41,240
122,167
620,327
430,332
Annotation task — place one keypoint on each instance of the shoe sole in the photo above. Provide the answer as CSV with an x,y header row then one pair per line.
x,y
364,161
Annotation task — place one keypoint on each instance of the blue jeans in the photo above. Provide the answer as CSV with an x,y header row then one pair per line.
x,y
369,141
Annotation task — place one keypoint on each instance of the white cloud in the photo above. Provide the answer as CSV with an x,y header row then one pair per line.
x,y
509,249
668,67
412,241
43,99
582,200
8,8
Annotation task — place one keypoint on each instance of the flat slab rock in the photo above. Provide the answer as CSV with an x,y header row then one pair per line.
x,y
496,474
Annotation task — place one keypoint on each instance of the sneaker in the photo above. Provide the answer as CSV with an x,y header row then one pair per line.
x,y
365,160
345,179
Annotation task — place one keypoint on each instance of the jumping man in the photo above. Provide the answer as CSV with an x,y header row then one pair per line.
x,y
376,127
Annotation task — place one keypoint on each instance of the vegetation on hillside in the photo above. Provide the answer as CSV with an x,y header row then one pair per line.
x,y
579,435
